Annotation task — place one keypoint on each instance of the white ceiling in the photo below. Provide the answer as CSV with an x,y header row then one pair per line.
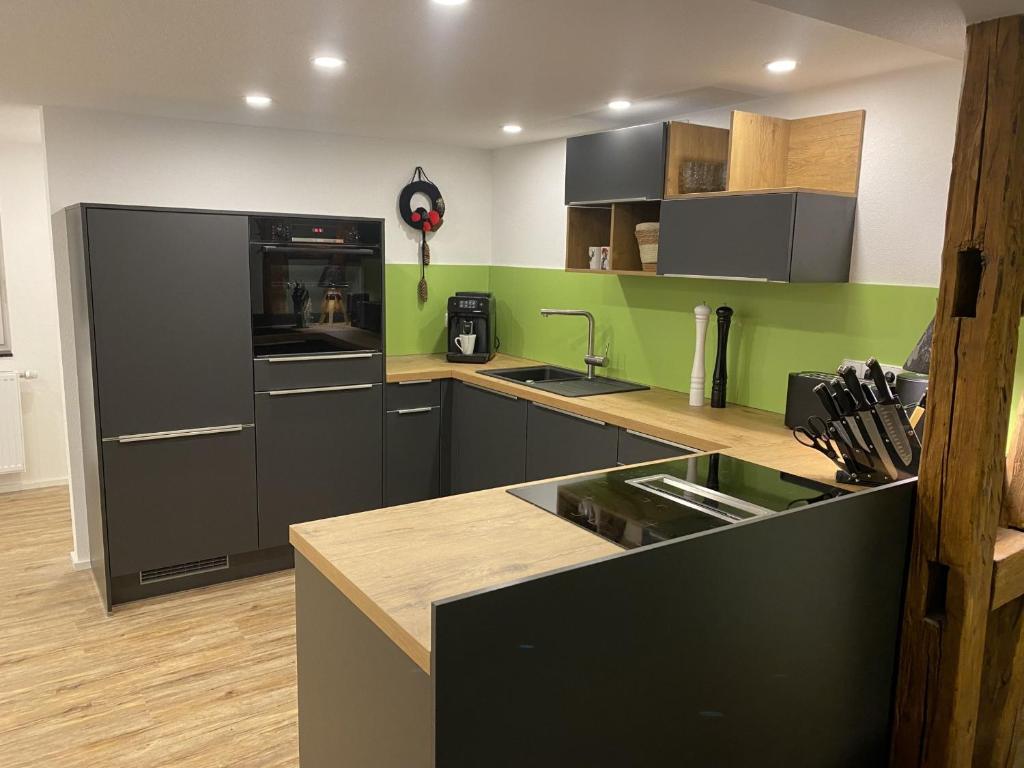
x,y
451,74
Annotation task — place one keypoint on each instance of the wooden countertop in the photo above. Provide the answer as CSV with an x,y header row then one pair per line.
x,y
395,563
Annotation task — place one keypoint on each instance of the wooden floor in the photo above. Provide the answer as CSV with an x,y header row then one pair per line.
x,y
204,678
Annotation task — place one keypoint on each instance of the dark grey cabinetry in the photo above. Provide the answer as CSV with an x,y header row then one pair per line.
x,y
488,440
169,308
782,237
561,443
635,448
412,467
319,455
170,313
625,164
179,499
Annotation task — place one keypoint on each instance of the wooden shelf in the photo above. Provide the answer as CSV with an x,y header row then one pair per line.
x,y
586,226
821,153
625,255
613,226
619,272
771,191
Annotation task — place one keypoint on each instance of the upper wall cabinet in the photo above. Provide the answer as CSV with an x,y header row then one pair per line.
x,y
626,164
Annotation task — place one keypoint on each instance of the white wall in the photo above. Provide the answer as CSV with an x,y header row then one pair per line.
x,y
32,299
908,148
107,157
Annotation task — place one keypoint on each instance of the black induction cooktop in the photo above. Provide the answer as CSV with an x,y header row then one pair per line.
x,y
637,506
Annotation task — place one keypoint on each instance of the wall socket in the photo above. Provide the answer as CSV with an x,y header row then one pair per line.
x,y
862,368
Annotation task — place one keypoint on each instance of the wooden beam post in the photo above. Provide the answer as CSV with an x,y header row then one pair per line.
x,y
974,349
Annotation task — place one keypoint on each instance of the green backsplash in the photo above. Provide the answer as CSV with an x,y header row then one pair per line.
x,y
649,323
777,328
415,328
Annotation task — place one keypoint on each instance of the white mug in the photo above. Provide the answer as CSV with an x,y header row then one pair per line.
x,y
466,343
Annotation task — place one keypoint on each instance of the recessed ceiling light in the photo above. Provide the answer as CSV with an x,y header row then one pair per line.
x,y
619,104
780,66
512,128
258,100
450,2
330,63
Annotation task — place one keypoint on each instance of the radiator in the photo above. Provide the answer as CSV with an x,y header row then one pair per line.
x,y
12,434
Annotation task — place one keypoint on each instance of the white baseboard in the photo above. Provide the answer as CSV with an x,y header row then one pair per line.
x,y
79,565
13,486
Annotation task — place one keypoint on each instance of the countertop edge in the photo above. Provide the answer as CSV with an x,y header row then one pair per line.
x,y
399,635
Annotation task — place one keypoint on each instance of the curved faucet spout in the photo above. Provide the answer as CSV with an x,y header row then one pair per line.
x,y
591,359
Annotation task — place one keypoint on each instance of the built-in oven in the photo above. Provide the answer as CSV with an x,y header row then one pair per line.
x,y
316,284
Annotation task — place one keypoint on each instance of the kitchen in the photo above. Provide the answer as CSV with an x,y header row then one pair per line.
x,y
146,345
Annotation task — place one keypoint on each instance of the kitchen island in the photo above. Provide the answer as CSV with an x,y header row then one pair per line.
x,y
480,629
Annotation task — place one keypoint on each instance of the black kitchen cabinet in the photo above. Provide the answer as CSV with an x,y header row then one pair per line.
x,y
779,237
179,499
624,164
488,439
412,440
170,313
319,454
635,447
561,443
412,470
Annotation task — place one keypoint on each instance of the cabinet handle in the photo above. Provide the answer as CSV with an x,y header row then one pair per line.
x,y
491,391
308,390
616,200
416,381
175,433
571,414
722,277
407,411
310,358
660,440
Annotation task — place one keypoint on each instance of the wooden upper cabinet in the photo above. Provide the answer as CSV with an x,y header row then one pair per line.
x,y
624,164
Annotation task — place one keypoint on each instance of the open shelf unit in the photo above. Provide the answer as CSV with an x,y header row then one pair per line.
x,y
760,154
612,225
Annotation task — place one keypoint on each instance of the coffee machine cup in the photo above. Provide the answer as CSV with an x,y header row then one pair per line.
x,y
466,343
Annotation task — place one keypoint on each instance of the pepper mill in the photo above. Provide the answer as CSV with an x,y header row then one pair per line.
x,y
721,376
701,313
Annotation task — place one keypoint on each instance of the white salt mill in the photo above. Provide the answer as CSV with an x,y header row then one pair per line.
x,y
701,313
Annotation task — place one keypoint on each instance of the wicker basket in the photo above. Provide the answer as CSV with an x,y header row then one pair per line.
x,y
647,240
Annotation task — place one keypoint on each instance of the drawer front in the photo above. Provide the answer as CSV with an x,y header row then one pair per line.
x,y
635,448
560,443
319,454
412,470
176,499
412,394
274,373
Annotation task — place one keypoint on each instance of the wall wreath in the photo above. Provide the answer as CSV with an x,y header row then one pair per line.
x,y
421,218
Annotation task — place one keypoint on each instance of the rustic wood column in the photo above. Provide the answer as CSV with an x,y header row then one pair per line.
x,y
961,486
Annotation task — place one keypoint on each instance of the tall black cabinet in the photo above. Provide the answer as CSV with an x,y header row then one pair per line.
x,y
180,453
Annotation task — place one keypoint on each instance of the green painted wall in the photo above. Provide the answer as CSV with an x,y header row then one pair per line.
x,y
414,328
649,322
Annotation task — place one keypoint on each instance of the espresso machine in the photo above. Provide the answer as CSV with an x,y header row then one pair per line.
x,y
471,318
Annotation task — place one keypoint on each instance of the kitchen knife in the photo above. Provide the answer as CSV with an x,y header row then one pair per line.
x,y
828,402
858,463
894,419
849,376
861,423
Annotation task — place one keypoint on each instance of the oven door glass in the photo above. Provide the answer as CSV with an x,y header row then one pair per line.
x,y
315,299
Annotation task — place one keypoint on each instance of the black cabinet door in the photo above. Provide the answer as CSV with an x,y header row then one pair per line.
x,y
740,236
179,499
560,443
171,319
319,454
635,448
412,470
488,439
625,164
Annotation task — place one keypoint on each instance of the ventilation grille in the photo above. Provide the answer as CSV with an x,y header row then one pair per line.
x,y
182,570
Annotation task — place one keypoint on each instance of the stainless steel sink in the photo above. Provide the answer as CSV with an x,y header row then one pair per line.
x,y
565,382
